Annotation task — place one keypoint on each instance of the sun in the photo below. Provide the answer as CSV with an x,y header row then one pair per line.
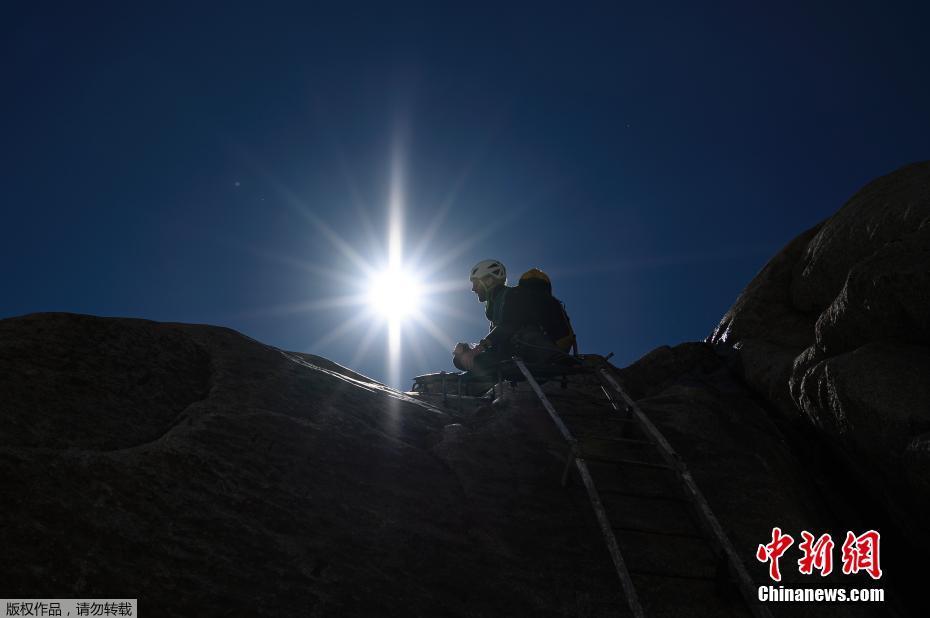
x,y
389,288
394,294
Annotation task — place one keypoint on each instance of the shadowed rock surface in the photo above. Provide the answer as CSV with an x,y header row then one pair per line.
x,y
835,331
757,472
199,470
241,480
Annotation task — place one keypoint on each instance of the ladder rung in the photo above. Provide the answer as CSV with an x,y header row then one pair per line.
x,y
610,417
686,535
588,436
625,462
647,496
671,575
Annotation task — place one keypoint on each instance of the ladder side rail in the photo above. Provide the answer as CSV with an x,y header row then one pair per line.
x,y
545,402
613,548
610,538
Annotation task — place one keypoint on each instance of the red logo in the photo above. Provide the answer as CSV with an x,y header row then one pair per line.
x,y
817,555
773,551
860,553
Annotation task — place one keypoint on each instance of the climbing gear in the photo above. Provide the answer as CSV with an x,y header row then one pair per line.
x,y
487,271
554,319
534,274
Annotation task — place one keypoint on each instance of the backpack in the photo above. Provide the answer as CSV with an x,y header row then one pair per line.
x,y
553,318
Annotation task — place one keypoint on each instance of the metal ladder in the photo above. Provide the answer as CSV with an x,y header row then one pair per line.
x,y
627,412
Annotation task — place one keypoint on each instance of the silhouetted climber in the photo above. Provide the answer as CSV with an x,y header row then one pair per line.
x,y
526,320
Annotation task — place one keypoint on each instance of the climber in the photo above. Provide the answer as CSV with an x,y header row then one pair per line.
x,y
525,320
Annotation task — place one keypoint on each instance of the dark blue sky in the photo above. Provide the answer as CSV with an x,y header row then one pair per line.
x,y
180,163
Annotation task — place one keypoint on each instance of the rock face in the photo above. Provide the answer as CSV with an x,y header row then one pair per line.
x,y
836,330
200,471
754,471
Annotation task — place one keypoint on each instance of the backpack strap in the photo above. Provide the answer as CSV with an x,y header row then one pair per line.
x,y
497,306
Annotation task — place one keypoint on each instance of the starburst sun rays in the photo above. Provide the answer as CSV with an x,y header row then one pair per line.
x,y
386,286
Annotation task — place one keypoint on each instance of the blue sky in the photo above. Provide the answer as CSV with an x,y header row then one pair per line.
x,y
213,163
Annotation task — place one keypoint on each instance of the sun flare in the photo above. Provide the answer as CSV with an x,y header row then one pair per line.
x,y
388,288
394,294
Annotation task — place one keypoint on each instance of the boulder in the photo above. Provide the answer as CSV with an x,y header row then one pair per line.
x,y
836,330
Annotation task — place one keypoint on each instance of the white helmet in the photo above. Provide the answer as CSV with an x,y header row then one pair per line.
x,y
489,268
